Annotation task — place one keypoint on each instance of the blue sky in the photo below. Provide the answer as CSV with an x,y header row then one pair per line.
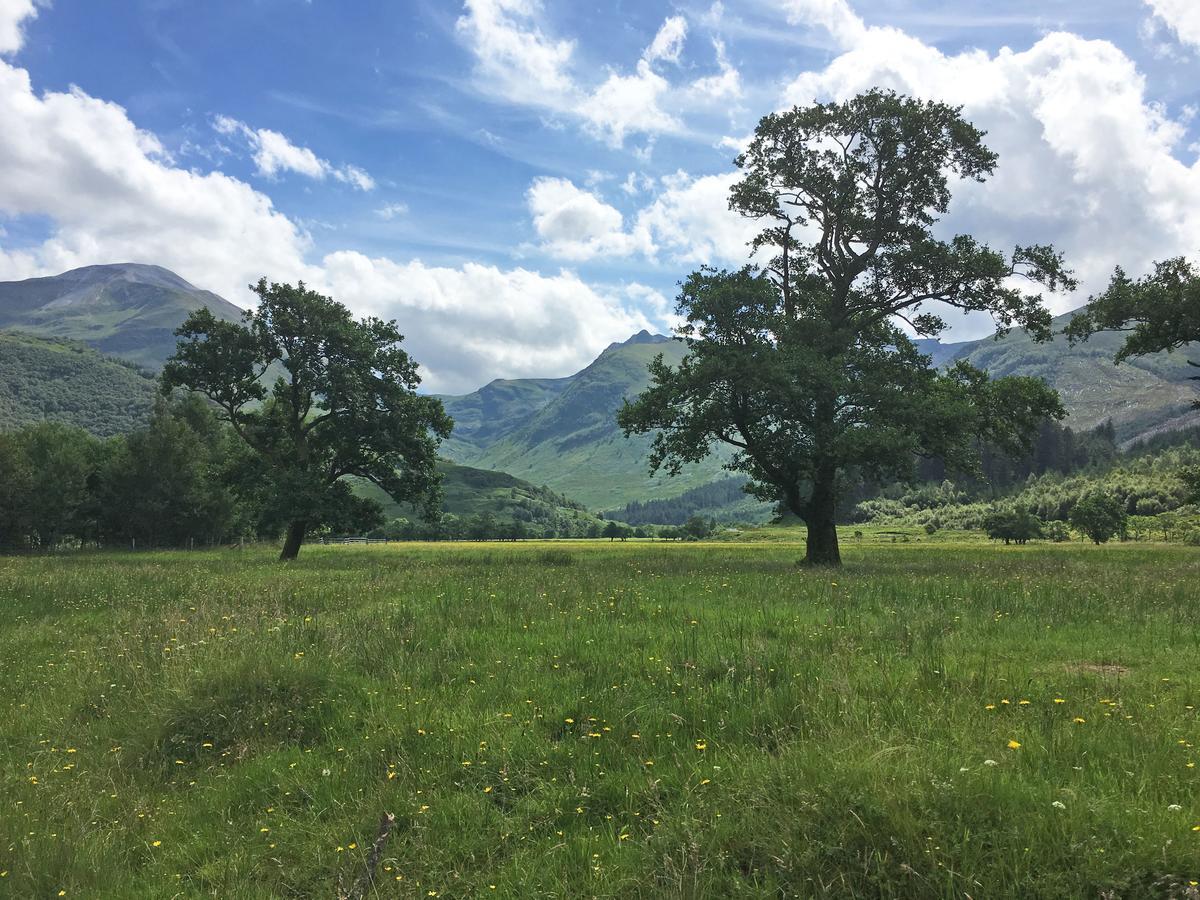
x,y
521,182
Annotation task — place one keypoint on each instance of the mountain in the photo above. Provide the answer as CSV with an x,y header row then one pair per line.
x,y
127,310
52,380
555,432
562,432
1142,396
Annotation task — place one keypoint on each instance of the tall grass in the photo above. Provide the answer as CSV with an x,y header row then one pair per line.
x,y
603,720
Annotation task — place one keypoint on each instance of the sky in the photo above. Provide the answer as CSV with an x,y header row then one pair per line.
x,y
520,183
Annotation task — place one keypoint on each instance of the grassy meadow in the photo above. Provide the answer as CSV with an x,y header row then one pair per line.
x,y
562,719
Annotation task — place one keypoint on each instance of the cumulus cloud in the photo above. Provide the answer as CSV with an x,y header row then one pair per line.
x,y
687,221
13,14
462,322
1087,161
629,103
576,224
275,154
113,194
1181,16
513,56
517,61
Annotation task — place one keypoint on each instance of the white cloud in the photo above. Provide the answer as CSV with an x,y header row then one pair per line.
x,y
518,62
629,103
687,221
725,85
113,194
690,221
274,153
514,58
392,211
461,323
1087,161
835,16
355,177
668,43
1181,16
576,224
13,14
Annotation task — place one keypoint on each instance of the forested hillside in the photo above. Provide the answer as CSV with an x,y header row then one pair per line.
x,y
49,380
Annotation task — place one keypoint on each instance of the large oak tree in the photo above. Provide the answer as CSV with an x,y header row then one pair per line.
x,y
342,403
803,368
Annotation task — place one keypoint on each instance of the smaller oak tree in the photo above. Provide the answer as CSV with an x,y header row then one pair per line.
x,y
343,404
1013,524
1100,516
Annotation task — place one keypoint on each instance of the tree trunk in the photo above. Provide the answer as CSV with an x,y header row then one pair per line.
x,y
295,537
821,518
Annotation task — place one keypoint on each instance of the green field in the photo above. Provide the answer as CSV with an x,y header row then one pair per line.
x,y
603,720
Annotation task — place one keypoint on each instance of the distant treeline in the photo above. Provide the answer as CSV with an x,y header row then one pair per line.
x,y
184,479
181,480
1056,449
487,527
677,510
1151,480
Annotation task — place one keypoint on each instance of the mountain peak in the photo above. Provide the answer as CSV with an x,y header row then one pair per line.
x,y
140,273
642,337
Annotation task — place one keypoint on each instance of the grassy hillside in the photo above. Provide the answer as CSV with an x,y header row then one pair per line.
x,y
472,492
595,720
127,310
569,439
65,381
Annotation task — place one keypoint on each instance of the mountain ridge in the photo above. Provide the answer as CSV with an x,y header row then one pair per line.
x,y
560,432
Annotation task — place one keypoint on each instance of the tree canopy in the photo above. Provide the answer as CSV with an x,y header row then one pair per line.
x,y
803,367
1100,516
342,402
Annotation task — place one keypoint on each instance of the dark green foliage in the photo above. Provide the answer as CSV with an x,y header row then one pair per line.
x,y
697,528
725,500
1057,532
166,485
345,406
1159,312
47,380
47,478
803,371
1100,516
1013,524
